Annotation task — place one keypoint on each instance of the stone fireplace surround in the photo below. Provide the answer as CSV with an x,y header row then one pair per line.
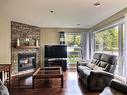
x,y
22,32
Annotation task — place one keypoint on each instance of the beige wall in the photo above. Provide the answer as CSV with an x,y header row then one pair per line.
x,y
5,43
110,20
51,36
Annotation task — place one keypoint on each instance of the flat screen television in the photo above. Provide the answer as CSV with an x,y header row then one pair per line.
x,y
55,51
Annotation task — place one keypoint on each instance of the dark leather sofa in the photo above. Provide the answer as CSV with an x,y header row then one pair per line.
x,y
115,88
97,73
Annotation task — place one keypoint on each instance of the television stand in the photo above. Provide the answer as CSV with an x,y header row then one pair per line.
x,y
62,62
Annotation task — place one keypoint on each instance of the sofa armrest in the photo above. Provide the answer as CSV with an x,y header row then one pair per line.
x,y
83,63
118,86
99,73
98,80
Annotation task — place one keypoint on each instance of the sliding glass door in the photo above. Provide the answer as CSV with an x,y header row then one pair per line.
x,y
73,47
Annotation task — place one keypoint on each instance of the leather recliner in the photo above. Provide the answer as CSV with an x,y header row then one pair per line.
x,y
97,73
115,88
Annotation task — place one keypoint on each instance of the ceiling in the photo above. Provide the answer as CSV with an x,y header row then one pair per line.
x,y
67,13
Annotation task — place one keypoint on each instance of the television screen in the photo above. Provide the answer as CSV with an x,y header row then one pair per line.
x,y
55,51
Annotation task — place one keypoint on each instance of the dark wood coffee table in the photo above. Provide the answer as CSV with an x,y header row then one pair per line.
x,y
47,73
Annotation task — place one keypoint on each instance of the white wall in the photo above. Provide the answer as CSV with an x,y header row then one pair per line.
x,y
5,41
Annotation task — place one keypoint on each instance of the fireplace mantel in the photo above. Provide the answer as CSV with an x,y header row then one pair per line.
x,y
27,47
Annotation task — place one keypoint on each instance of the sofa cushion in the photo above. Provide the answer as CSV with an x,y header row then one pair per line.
x,y
91,65
96,67
94,61
97,56
111,59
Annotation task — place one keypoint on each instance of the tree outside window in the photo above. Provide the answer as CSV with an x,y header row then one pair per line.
x,y
107,41
73,43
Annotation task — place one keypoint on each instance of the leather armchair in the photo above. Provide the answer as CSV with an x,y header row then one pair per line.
x,y
115,88
98,80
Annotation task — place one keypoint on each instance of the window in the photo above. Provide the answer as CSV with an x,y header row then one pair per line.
x,y
124,49
73,47
112,41
107,41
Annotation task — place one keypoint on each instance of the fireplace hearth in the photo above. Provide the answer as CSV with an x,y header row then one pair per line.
x,y
26,61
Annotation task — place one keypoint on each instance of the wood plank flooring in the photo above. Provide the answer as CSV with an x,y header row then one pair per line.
x,y
72,86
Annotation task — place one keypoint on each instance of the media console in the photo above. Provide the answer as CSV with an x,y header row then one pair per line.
x,y
56,62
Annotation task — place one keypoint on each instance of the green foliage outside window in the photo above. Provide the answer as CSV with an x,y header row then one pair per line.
x,y
73,42
107,40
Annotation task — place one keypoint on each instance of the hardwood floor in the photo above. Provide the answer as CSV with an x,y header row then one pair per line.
x,y
72,86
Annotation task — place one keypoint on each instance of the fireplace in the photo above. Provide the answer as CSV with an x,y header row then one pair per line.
x,y
26,61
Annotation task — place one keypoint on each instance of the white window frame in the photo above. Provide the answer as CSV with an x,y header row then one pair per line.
x,y
120,38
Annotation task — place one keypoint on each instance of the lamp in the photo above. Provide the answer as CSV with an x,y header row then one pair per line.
x,y
62,37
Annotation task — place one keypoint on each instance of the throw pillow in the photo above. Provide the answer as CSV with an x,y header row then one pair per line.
x,y
98,68
103,64
94,61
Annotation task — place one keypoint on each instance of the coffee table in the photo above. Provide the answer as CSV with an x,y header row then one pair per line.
x,y
47,73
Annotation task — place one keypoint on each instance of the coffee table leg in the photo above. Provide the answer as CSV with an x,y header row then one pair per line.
x,y
62,81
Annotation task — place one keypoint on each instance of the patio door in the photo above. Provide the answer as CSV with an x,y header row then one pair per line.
x,y
73,47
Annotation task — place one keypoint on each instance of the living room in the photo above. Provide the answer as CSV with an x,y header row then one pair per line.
x,y
27,26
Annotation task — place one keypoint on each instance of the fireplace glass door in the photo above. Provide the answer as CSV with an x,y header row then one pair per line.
x,y
26,61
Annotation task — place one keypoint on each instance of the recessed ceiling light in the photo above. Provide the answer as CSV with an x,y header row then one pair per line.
x,y
51,11
97,4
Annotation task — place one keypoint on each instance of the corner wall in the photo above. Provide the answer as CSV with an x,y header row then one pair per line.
x,y
5,41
